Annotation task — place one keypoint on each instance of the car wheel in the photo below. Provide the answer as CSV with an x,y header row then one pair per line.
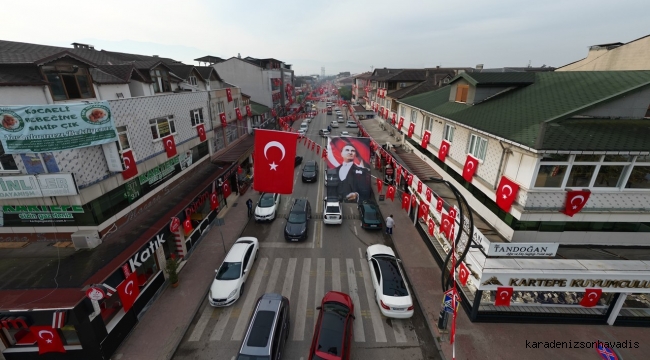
x,y
241,290
256,253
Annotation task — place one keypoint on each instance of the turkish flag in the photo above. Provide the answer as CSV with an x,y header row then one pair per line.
x,y
130,167
425,139
222,117
463,273
324,154
238,113
409,179
429,194
273,113
48,339
453,213
214,201
406,199
170,145
275,154
225,189
419,187
506,193
432,226
380,184
591,297
317,149
394,119
229,95
439,203
313,145
390,193
411,129
446,225
129,291
400,123
503,296
444,150
470,168
575,201
187,226
414,203
249,113
201,131
424,210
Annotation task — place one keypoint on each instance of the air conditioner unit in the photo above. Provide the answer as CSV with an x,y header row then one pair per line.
x,y
86,239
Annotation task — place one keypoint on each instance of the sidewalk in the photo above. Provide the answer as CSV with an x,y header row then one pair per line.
x,y
162,327
504,341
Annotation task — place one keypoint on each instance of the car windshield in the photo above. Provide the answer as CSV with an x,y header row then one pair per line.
x,y
297,217
266,200
394,285
330,339
229,271
310,167
332,210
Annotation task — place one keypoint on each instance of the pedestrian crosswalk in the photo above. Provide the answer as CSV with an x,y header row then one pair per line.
x,y
304,281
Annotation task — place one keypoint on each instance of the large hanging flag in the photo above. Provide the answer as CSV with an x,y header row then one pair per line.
x,y
275,153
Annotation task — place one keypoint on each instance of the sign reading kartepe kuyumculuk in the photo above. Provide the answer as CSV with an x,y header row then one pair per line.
x,y
55,127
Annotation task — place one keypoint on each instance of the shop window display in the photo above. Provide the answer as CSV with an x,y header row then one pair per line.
x,y
636,305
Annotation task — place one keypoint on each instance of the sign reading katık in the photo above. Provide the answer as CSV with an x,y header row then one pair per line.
x,y
522,249
55,127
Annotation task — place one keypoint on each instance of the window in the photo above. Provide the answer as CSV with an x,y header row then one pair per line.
x,y
477,147
445,80
414,116
162,127
7,162
449,133
123,137
196,117
235,103
402,111
220,107
69,82
428,123
402,85
192,80
160,80
461,93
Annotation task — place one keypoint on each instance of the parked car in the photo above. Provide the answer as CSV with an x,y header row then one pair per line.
x,y
334,124
339,117
333,333
304,126
345,134
323,132
268,329
301,133
228,284
298,161
332,212
310,171
308,120
391,290
298,221
351,124
370,215
267,207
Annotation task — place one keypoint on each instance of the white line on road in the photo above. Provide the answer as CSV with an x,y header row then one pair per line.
x,y
360,255
320,284
201,324
354,226
398,329
354,294
288,278
375,315
301,312
218,330
275,272
278,244
251,298
336,275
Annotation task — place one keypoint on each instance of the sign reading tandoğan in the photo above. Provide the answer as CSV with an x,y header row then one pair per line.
x,y
55,127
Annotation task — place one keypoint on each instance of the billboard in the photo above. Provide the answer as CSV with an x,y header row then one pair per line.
x,y
348,164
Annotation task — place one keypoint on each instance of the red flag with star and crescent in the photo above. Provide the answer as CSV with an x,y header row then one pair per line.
x,y
429,194
411,130
170,145
506,193
390,193
406,199
225,189
129,291
380,184
48,339
249,113
130,167
425,139
238,113
591,297
444,150
424,210
432,226
446,225
419,187
575,201
201,131
400,124
503,296
222,118
229,95
470,168
463,273
214,201
275,153
439,204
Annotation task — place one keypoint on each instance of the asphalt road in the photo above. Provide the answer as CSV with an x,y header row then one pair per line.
x,y
330,259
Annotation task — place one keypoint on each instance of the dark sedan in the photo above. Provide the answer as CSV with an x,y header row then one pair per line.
x,y
310,171
298,221
370,215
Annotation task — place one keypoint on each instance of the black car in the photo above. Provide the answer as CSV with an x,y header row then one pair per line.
x,y
298,221
310,171
370,215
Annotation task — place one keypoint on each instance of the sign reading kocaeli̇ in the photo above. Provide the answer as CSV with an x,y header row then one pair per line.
x,y
55,127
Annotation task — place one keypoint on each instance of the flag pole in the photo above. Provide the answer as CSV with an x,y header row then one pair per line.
x,y
453,296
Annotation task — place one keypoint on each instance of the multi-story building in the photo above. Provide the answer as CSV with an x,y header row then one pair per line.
x,y
633,55
175,142
359,87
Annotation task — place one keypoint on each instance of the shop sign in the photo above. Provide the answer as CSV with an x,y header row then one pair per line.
x,y
33,212
196,204
159,173
55,127
95,293
627,282
146,252
174,224
43,185
522,249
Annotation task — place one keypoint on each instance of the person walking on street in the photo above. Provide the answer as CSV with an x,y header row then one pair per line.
x,y
390,223
249,204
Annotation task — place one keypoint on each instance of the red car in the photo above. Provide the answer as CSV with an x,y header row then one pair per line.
x,y
333,333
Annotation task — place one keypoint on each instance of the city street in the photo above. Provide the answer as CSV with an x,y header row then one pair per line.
x,y
332,258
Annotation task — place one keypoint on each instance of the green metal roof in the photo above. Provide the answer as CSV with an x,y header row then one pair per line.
x,y
497,79
519,114
259,109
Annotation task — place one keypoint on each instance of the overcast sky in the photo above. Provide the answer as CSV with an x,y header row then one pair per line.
x,y
339,35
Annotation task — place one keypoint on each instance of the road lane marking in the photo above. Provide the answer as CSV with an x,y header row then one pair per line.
x,y
201,324
398,329
301,312
375,315
320,284
251,298
220,327
288,278
275,273
360,255
353,290
355,228
336,275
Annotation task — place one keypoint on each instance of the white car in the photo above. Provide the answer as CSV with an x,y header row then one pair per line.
x,y
301,133
345,134
334,124
267,206
351,124
228,284
308,120
332,213
391,290
304,126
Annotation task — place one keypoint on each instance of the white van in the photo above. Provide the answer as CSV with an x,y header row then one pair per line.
x,y
304,126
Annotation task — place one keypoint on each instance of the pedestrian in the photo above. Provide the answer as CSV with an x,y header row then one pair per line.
x,y
390,223
249,204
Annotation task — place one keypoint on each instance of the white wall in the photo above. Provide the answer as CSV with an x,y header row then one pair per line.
x,y
109,91
138,88
24,95
585,238
250,78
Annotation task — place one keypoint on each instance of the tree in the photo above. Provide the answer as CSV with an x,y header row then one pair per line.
x,y
345,92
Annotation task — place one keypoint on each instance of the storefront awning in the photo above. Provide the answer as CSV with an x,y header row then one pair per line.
x,y
416,165
236,152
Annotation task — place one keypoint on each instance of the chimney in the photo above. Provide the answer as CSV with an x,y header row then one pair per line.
x,y
154,56
479,66
238,56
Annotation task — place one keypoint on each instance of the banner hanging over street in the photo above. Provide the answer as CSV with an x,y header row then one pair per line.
x,y
55,127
